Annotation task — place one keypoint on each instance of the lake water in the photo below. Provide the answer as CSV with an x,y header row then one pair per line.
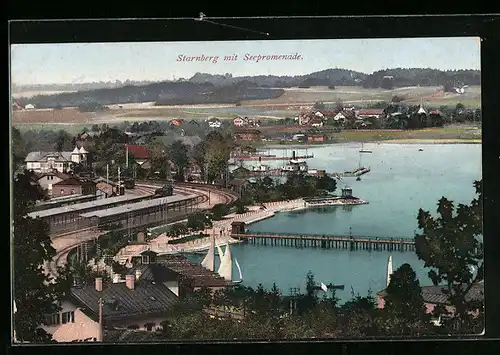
x,y
402,180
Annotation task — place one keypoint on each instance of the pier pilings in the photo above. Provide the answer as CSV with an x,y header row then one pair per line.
x,y
329,242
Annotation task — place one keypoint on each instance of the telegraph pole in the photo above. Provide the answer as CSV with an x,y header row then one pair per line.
x,y
294,291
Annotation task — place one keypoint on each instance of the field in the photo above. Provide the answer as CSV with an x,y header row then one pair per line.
x,y
430,95
449,134
289,104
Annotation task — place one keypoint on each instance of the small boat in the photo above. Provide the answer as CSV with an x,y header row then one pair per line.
x,y
239,271
362,150
420,150
358,179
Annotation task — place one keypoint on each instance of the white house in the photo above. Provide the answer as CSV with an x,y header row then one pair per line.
x,y
29,107
239,122
214,123
42,162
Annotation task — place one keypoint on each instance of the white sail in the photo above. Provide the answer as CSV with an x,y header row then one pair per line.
x,y
239,269
389,269
209,260
226,265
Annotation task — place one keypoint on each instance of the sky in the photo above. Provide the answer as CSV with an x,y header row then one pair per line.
x,y
154,61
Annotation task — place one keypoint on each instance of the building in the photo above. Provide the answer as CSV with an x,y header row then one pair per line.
x,y
46,180
74,185
29,107
247,135
239,122
344,115
434,296
140,302
16,107
316,122
238,185
42,162
214,122
176,122
371,113
317,138
139,152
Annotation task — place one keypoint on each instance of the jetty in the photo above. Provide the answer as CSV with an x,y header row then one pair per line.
x,y
355,173
328,241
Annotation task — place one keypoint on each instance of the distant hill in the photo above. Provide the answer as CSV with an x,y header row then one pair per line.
x,y
210,88
400,77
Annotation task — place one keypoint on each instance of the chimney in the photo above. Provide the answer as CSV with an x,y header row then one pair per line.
x,y
138,274
98,284
129,282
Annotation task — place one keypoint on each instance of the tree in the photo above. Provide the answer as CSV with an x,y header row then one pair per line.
x,y
35,293
63,141
404,303
180,158
451,244
18,148
319,105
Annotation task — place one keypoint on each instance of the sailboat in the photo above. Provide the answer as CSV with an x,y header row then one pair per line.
x,y
363,150
389,270
226,265
209,260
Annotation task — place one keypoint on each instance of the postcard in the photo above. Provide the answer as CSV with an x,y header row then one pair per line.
x,y
246,190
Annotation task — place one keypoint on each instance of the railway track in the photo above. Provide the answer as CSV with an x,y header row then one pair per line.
x,y
147,187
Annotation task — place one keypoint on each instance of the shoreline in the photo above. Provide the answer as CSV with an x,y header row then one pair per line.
x,y
384,141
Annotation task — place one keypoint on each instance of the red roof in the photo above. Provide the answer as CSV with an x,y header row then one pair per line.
x,y
435,112
138,151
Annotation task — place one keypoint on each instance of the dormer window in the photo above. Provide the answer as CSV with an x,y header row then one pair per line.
x,y
145,259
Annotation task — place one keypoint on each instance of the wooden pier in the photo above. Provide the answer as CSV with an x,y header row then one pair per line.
x,y
328,241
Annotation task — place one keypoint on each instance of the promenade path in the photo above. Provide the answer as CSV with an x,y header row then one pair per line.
x,y
221,230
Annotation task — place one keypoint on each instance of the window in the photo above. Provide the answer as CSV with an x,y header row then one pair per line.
x,y
68,317
145,259
62,191
52,319
149,326
72,191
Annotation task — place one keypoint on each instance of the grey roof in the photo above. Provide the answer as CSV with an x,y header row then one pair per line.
x,y
435,294
136,206
84,206
59,199
145,299
155,272
42,156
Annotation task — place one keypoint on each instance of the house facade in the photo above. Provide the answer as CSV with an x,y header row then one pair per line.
x,y
317,138
239,122
140,302
47,180
74,186
71,324
247,135
316,122
214,123
139,152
